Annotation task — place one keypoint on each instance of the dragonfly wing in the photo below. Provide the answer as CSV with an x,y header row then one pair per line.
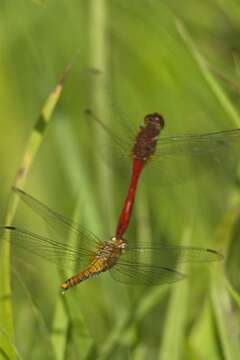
x,y
116,156
189,145
60,225
167,255
144,264
178,158
142,274
64,256
117,141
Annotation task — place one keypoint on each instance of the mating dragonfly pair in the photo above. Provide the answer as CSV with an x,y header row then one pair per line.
x,y
141,263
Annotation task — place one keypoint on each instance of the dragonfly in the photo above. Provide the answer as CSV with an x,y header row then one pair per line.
x,y
133,264
175,158
143,149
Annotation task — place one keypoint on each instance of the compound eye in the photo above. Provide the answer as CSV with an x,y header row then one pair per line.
x,y
154,118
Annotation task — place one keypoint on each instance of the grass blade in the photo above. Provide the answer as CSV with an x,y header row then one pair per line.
x,y
74,167
59,330
213,84
99,60
203,332
34,142
226,320
174,333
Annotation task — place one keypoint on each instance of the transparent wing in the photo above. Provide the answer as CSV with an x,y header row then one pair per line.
x,y
64,256
115,150
147,265
198,145
166,255
141,274
62,227
179,158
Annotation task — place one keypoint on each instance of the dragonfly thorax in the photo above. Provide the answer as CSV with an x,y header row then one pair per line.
x,y
118,243
111,249
147,137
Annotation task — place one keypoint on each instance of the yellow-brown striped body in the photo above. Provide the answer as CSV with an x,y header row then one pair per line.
x,y
105,258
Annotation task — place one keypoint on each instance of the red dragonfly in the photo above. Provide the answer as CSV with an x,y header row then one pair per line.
x,y
143,149
175,157
137,264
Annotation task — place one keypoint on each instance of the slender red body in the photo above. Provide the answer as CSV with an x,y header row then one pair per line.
x,y
128,205
144,147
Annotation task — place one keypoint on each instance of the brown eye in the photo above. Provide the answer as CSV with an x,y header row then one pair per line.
x,y
154,118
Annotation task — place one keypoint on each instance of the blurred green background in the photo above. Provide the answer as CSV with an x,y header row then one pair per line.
x,y
178,58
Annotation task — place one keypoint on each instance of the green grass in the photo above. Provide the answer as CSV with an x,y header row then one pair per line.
x,y
32,147
150,56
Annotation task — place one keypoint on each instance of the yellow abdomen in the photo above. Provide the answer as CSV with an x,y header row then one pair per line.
x,y
97,266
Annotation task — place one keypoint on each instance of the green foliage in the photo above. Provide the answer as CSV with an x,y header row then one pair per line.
x,y
133,58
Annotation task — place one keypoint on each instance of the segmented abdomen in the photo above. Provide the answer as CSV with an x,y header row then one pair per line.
x,y
96,267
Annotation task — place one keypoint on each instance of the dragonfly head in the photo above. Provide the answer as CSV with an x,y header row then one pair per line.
x,y
155,119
